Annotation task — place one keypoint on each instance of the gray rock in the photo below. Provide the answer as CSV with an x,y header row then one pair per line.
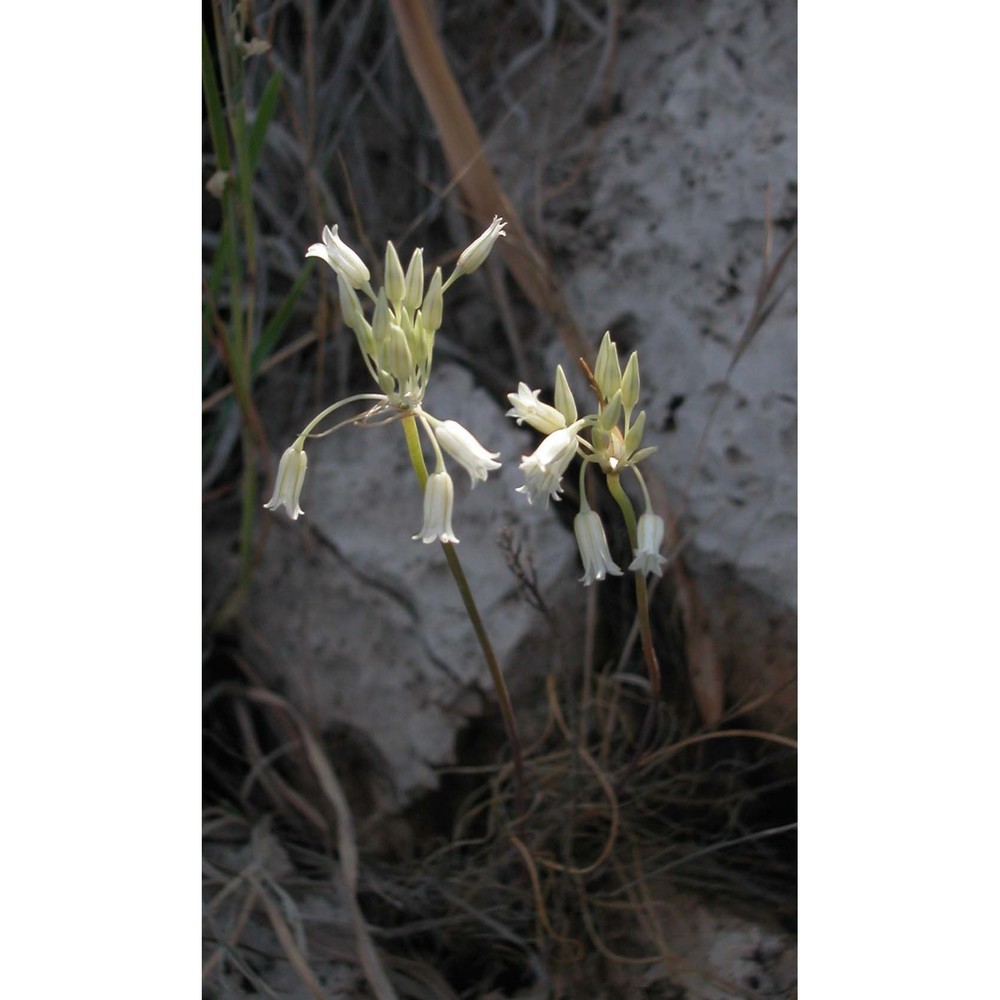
x,y
367,625
668,256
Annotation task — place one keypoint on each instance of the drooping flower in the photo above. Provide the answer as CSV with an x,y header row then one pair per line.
x,y
397,346
341,258
543,469
526,407
650,537
439,497
466,450
593,543
475,253
288,484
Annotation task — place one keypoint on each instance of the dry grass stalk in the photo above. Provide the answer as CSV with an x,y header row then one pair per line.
x,y
470,167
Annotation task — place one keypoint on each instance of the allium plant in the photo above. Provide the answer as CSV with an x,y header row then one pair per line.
x,y
397,346
608,439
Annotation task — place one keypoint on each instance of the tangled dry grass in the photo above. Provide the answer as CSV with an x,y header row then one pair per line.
x,y
461,896
573,892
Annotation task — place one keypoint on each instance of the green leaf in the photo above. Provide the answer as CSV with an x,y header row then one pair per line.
x,y
216,118
265,114
276,324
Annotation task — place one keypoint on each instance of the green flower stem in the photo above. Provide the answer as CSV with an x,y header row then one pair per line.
x,y
642,600
506,709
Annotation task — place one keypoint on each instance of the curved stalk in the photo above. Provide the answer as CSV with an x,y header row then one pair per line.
x,y
307,430
506,708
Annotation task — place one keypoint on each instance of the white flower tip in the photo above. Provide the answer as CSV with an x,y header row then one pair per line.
x,y
647,562
473,255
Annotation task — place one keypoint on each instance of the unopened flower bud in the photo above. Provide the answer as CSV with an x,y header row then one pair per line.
x,y
607,370
397,358
395,281
630,383
472,256
434,303
350,309
565,403
634,437
414,282
611,412
380,319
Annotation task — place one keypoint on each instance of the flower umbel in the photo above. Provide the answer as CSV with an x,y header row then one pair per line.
x,y
288,484
647,555
397,346
439,497
593,545
609,438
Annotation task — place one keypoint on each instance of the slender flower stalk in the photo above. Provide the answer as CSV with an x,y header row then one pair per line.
x,y
642,607
500,685
611,439
397,345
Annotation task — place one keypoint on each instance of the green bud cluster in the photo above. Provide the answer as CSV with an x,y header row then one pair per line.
x,y
615,435
398,343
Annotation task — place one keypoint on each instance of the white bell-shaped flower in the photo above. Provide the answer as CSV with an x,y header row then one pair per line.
x,y
466,450
543,469
593,543
288,485
650,537
439,498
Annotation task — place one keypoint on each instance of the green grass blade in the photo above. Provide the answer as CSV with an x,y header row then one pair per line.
x,y
277,323
213,102
265,113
